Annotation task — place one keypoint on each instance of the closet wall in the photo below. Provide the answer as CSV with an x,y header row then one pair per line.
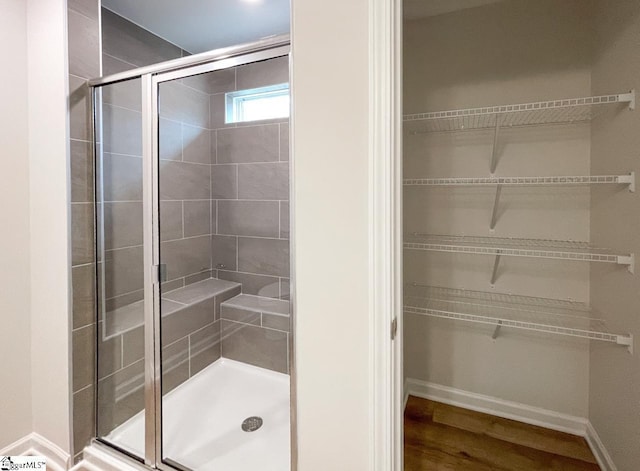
x,y
614,407
509,52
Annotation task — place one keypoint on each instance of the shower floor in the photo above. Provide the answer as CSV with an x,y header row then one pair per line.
x,y
202,421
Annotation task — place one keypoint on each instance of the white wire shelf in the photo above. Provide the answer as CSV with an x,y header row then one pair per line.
x,y
570,110
628,179
515,247
551,316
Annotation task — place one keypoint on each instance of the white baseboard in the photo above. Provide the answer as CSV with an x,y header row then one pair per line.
x,y
599,451
499,407
405,392
36,445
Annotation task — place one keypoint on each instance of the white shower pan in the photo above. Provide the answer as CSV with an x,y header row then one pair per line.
x,y
202,421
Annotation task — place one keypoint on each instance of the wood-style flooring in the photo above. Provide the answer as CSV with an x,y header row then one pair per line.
x,y
439,437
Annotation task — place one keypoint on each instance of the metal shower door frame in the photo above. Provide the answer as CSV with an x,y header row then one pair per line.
x,y
151,77
152,255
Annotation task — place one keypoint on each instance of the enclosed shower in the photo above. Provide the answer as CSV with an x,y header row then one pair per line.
x,y
194,338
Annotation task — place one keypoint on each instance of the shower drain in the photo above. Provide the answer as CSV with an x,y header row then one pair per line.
x,y
251,424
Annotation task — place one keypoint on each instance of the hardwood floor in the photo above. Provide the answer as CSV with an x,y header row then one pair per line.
x,y
439,437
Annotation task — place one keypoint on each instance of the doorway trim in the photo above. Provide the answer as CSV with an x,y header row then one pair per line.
x,y
385,234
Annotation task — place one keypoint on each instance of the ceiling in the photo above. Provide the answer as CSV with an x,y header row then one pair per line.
x,y
414,9
201,25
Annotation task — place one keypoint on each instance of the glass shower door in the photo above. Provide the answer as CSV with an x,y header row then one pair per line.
x,y
119,335
223,236
193,331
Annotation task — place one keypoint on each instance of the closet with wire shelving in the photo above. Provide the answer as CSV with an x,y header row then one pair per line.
x,y
521,217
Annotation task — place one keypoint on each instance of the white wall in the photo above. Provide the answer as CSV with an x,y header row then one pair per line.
x,y
15,347
507,52
614,399
330,118
49,208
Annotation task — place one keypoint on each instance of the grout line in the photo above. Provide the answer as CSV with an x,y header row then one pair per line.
x,y
184,199
84,79
259,123
201,92
187,199
189,352
94,20
84,141
114,249
120,60
126,294
255,274
113,373
185,162
92,324
262,162
187,238
257,237
237,170
121,335
181,141
252,325
120,154
80,265
120,107
211,236
216,147
182,221
207,79
235,79
90,385
120,201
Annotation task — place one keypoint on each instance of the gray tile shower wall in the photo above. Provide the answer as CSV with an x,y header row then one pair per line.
x,y
84,63
250,245
250,186
255,330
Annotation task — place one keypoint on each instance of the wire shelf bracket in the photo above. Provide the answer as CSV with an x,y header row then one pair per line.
x,y
630,180
496,264
628,97
506,311
494,212
494,150
496,332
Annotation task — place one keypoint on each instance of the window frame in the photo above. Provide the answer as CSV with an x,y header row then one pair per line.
x,y
234,101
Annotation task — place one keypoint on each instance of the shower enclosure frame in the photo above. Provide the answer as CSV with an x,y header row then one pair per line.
x,y
151,77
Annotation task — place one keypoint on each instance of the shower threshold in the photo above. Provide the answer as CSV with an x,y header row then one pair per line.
x,y
203,417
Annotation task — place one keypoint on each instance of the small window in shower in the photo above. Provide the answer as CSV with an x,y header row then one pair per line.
x,y
256,104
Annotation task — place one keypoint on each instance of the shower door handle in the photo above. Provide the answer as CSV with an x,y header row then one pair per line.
x,y
394,328
161,272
